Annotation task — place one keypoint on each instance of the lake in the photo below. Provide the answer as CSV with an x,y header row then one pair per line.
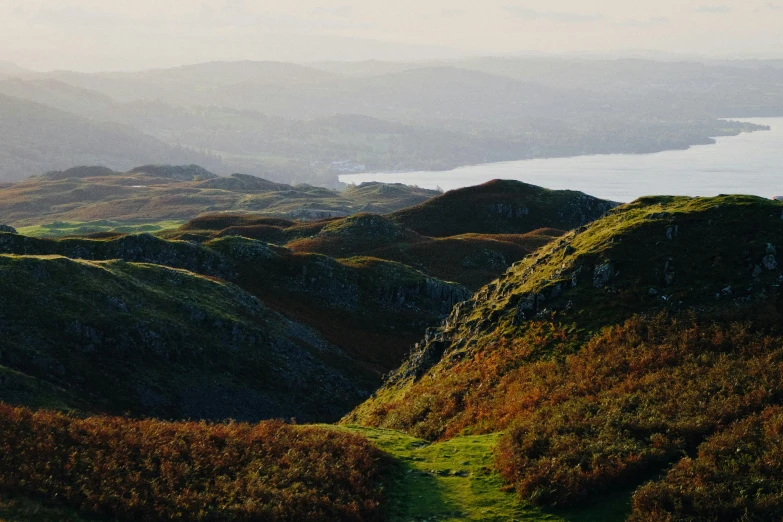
x,y
751,163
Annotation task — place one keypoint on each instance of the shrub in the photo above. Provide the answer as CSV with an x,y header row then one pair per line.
x,y
736,476
155,470
636,398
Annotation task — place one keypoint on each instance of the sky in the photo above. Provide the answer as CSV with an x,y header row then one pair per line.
x,y
92,35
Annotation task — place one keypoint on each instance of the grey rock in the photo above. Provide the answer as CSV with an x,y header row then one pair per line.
x,y
771,249
769,262
8,229
603,274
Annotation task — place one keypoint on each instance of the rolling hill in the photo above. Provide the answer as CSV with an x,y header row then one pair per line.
x,y
626,354
158,193
470,235
363,314
501,207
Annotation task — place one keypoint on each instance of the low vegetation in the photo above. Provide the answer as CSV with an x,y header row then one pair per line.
x,y
735,475
634,399
115,337
154,193
501,207
98,228
154,470
612,354
455,480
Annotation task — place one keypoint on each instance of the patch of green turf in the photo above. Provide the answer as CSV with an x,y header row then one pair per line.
x,y
456,481
78,228
18,388
24,510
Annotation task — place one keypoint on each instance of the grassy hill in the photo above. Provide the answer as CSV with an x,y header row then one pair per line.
x,y
501,207
152,340
154,193
471,235
628,353
627,369
374,310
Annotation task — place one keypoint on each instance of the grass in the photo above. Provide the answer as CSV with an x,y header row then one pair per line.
x,y
152,340
81,228
455,481
20,509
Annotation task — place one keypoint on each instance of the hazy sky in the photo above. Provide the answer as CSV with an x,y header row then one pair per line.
x,y
105,34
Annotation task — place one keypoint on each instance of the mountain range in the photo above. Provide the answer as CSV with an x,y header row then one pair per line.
x,y
309,124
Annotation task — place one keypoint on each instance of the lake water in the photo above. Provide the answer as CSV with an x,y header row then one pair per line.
x,y
750,163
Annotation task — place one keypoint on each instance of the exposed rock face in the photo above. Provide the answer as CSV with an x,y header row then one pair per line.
x,y
603,274
314,214
391,286
7,229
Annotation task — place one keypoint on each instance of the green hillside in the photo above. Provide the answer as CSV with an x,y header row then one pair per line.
x,y
628,346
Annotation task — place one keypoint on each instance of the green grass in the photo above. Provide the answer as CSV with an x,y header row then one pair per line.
x,y
70,228
456,481
18,388
24,510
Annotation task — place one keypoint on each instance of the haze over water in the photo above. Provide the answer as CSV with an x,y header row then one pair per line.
x,y
751,163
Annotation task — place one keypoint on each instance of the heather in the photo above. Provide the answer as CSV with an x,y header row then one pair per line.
x,y
154,470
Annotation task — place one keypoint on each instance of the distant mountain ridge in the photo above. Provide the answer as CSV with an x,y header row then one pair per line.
x,y
38,138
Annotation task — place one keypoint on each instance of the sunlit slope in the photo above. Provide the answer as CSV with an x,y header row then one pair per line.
x,y
613,353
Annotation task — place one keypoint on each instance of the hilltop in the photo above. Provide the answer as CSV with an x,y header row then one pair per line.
x,y
470,235
153,193
611,353
501,207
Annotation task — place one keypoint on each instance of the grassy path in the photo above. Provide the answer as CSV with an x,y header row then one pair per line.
x,y
455,481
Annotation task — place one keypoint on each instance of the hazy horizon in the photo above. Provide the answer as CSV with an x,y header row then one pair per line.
x,y
90,36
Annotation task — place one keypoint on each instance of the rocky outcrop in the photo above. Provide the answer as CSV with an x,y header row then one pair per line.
x,y
7,229
141,248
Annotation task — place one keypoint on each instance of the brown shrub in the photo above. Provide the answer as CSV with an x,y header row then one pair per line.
x,y
736,476
155,470
635,398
